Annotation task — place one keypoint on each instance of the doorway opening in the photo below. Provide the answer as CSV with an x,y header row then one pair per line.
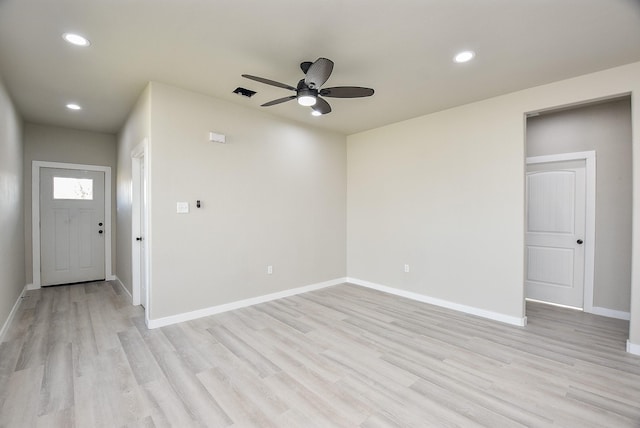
x,y
555,141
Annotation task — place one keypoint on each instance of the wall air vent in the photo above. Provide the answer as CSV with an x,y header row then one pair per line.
x,y
244,92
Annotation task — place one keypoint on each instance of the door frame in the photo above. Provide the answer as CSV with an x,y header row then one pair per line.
x,y
590,215
139,159
35,214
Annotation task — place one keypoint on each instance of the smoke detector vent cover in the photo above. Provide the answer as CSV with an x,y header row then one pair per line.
x,y
214,137
244,92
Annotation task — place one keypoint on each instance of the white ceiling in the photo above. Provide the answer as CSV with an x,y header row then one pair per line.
x,y
403,49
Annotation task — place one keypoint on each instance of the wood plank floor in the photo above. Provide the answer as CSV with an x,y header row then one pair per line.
x,y
343,356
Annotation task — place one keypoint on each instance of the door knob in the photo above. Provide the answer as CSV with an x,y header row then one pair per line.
x,y
99,224
100,232
580,241
139,238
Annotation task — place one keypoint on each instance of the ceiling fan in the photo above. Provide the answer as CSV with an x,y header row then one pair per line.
x,y
308,91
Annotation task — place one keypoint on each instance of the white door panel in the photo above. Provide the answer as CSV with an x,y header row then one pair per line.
x,y
143,235
553,266
556,211
551,189
140,227
72,226
61,231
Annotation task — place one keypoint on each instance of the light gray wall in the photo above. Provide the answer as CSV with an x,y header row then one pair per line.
x,y
274,195
12,280
445,194
605,128
133,132
55,144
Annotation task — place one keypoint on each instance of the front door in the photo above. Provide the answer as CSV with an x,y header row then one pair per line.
x,y
555,256
72,226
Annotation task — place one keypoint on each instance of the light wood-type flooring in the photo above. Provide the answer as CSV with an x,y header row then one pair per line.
x,y
343,356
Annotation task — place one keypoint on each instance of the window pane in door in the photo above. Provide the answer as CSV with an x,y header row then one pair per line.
x,y
73,188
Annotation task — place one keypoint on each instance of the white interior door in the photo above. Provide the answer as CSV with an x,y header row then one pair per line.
x,y
72,226
143,235
555,256
140,227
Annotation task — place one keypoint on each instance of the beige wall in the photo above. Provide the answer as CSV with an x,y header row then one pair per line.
x,y
274,195
12,280
442,193
605,128
55,144
134,131
445,194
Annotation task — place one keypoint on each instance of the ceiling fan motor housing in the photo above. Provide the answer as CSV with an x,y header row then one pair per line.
x,y
304,90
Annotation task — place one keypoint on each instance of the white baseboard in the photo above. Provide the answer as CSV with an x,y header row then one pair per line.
x,y
111,278
115,278
633,348
32,287
200,313
12,314
496,316
557,305
611,313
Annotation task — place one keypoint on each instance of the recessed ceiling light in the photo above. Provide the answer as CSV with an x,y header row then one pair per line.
x,y
76,39
73,106
315,113
464,56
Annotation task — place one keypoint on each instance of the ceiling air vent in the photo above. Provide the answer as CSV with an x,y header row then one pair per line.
x,y
244,92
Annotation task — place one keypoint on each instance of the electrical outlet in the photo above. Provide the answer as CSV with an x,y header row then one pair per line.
x,y
269,270
406,268
182,207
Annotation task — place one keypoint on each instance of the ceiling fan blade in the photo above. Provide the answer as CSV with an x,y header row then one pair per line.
x,y
278,101
304,66
269,82
321,106
318,73
346,92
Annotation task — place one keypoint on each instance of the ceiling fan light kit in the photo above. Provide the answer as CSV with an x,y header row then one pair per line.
x,y
308,92
307,97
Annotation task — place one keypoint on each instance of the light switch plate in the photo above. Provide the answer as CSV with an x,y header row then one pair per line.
x,y
182,207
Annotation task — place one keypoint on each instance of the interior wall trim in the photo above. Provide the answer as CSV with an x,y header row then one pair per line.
x,y
213,310
496,316
116,279
12,314
611,313
632,348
